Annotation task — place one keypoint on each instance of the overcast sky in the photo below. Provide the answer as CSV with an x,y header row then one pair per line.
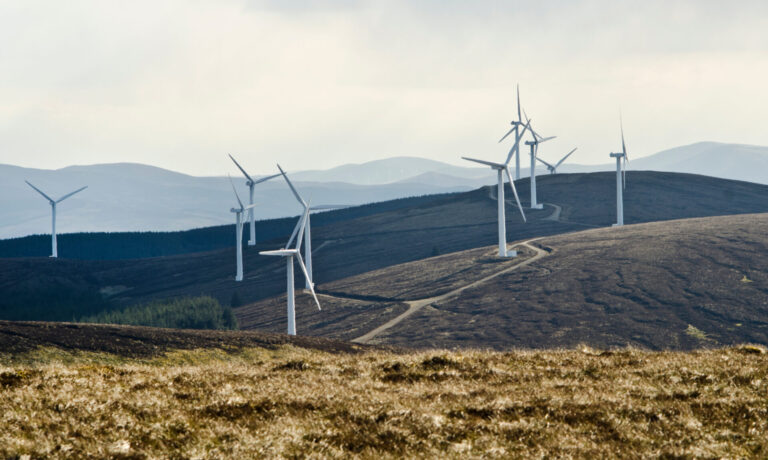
x,y
314,84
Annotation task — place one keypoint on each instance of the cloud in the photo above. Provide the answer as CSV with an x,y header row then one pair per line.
x,y
179,84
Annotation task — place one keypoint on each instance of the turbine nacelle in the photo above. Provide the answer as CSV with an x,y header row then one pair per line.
x,y
246,208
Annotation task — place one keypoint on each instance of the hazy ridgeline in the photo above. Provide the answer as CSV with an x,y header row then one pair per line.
x,y
137,245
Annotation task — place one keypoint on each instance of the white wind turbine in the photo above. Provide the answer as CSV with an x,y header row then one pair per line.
x,y
515,150
251,184
553,169
239,231
54,248
621,177
534,144
290,255
308,225
500,169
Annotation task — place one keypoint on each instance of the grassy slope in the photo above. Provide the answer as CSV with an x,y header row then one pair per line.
x,y
292,402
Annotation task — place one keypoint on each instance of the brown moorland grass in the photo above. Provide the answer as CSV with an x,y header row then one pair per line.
x,y
292,402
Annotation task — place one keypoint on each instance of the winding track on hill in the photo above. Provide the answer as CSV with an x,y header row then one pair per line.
x,y
416,305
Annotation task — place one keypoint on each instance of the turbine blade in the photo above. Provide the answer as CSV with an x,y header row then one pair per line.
x,y
235,190
299,225
293,189
548,165
70,194
40,192
623,145
624,172
563,159
519,118
545,139
306,274
483,162
514,192
516,147
303,222
241,168
326,207
278,252
264,179
293,234
505,136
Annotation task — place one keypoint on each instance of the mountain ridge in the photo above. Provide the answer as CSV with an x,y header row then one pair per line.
x,y
136,197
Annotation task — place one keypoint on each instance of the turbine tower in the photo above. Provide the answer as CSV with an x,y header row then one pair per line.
x,y
308,225
500,169
54,248
239,231
251,184
621,177
290,255
553,169
515,150
534,144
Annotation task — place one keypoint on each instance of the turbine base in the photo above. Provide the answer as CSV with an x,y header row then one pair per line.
x,y
511,253
537,206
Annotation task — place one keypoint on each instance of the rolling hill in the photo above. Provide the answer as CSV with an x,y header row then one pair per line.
x,y
351,247
681,284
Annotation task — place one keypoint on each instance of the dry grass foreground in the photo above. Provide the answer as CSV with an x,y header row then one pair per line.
x,y
291,402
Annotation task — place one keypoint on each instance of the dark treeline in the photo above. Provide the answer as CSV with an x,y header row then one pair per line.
x,y
181,313
137,245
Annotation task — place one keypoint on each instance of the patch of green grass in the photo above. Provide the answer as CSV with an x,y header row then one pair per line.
x,y
693,331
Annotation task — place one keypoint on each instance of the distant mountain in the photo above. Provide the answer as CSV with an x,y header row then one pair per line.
x,y
390,170
728,161
135,197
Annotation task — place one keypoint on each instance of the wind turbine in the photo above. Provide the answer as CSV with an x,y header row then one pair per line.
x,y
534,144
251,184
621,177
307,225
54,249
290,255
500,169
553,169
239,231
516,124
